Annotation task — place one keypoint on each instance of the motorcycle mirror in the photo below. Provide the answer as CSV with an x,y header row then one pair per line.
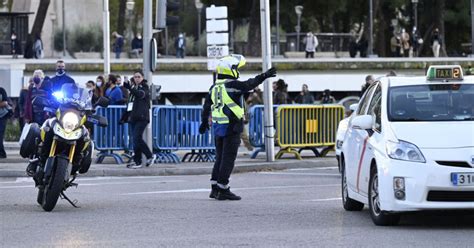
x,y
102,102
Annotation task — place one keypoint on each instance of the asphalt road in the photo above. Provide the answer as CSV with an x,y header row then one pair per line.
x,y
293,208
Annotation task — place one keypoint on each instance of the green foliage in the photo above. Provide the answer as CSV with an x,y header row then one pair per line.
x,y
12,131
86,39
241,33
80,39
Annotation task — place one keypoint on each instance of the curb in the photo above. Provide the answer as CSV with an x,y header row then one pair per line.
x,y
184,171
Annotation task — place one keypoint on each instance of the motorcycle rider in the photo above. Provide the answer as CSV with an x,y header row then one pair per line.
x,y
61,77
225,100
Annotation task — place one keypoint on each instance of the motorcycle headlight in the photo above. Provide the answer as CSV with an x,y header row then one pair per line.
x,y
70,121
406,151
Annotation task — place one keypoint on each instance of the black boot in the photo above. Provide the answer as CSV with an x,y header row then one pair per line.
x,y
225,194
214,190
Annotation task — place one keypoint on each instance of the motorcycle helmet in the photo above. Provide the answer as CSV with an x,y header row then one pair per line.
x,y
230,65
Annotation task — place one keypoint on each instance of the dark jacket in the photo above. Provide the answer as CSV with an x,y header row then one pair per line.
x,y
140,96
238,89
56,82
306,98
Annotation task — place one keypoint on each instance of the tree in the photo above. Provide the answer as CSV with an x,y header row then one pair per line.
x,y
121,17
37,27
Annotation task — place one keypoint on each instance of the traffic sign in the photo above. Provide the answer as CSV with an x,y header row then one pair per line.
x,y
217,38
214,12
217,51
217,26
211,64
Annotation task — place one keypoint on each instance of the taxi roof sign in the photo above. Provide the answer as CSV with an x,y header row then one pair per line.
x,y
444,73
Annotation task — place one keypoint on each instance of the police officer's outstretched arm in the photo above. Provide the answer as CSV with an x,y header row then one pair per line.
x,y
251,83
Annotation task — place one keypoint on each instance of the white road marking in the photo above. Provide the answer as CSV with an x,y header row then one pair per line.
x,y
317,168
326,199
31,185
300,174
236,189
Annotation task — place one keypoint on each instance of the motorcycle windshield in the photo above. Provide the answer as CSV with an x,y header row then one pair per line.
x,y
71,93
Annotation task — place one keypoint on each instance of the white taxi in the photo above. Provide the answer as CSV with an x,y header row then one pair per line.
x,y
410,146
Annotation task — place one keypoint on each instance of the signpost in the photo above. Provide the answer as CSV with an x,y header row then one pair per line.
x,y
217,35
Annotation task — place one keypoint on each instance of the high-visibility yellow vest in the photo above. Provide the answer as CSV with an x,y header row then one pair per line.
x,y
221,98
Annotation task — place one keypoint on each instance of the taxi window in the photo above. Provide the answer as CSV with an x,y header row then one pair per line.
x,y
375,108
364,101
431,102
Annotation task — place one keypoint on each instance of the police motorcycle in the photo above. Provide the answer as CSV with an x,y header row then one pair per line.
x,y
61,148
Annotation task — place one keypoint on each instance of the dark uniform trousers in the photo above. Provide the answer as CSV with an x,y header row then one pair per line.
x,y
226,152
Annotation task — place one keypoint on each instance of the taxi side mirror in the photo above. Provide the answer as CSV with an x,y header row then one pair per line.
x,y
363,122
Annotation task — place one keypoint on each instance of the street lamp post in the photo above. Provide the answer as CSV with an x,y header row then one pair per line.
x,y
371,28
472,28
106,29
130,5
277,27
199,6
64,29
415,13
299,12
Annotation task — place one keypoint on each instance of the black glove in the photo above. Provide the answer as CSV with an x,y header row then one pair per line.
x,y
270,73
203,128
127,85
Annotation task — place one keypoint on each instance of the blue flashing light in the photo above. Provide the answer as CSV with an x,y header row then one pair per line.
x,y
58,95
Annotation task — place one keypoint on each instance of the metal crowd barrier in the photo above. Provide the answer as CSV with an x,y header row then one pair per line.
x,y
307,127
257,128
177,128
115,137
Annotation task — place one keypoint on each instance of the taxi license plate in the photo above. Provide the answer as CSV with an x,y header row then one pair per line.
x,y
462,179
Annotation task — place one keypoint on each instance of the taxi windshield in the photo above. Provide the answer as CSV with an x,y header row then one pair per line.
x,y
431,102
71,93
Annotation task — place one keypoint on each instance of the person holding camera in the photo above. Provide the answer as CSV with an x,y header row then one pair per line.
x,y
138,108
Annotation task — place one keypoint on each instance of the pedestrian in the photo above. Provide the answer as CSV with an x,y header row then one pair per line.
x,y
138,108
38,47
91,86
100,84
280,92
118,44
436,42
20,108
125,92
113,92
15,45
5,113
327,98
416,41
180,45
395,45
305,97
405,39
137,45
61,77
254,98
225,101
34,109
369,79
311,44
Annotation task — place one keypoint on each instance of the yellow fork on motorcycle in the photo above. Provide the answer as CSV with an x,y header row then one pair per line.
x,y
71,153
53,149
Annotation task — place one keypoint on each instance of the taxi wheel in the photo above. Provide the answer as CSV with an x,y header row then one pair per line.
x,y
348,203
379,217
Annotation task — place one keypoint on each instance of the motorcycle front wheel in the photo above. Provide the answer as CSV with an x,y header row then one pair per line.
x,y
55,185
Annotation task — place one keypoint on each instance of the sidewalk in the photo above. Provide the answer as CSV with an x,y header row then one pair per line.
x,y
14,165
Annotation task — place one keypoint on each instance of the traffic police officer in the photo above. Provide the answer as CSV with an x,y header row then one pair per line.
x,y
225,100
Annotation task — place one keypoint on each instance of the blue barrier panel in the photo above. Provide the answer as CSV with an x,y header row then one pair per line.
x,y
114,137
257,128
177,128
